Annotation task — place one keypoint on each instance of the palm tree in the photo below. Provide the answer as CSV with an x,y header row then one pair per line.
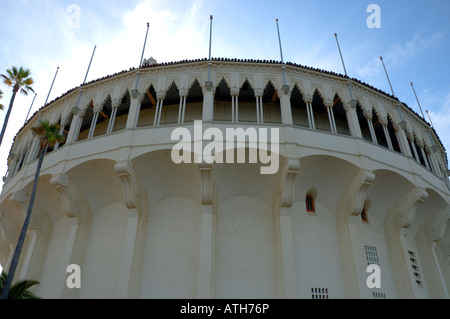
x,y
21,289
19,79
49,136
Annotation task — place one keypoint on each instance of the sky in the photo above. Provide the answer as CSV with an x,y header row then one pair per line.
x,y
413,37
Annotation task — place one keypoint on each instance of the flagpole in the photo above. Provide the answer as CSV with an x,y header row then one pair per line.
x,y
142,57
281,53
46,100
145,41
417,100
343,64
30,108
392,90
85,77
90,62
429,118
210,41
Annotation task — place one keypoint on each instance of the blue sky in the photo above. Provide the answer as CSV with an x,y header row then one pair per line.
x,y
413,39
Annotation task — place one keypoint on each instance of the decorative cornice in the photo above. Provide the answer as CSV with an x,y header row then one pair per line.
x,y
404,212
352,202
290,171
435,227
73,201
132,190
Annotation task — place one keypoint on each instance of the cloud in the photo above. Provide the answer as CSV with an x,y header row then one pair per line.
x,y
400,53
440,116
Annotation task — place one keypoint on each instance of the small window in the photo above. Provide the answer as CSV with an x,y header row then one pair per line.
x,y
319,293
379,295
310,204
364,216
415,267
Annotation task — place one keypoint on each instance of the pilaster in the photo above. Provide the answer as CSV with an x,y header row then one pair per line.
x,y
351,204
397,220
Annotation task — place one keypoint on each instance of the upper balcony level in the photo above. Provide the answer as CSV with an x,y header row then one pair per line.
x,y
236,92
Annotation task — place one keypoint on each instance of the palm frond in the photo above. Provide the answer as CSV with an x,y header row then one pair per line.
x,y
18,78
20,289
6,80
48,133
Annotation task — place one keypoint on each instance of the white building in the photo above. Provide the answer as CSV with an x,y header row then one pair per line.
x,y
362,180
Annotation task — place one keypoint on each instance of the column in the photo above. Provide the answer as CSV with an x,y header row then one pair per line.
x,y
34,150
285,105
207,234
75,126
208,102
413,145
13,166
39,231
351,204
397,220
234,104
310,114
132,190
428,237
93,124
352,118
135,108
400,129
424,157
283,230
371,129
182,107
79,218
259,107
331,119
388,137
112,118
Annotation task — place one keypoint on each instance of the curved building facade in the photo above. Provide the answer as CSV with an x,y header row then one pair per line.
x,y
357,206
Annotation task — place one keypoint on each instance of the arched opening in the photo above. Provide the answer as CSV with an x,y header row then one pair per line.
x,y
321,120
169,111
194,103
421,159
298,108
65,129
340,116
222,102
123,109
310,201
393,135
379,131
247,103
271,105
363,124
86,121
148,107
103,117
411,147
427,157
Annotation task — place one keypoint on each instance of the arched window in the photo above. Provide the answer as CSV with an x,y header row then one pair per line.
x,y
298,107
340,116
364,216
321,120
222,102
310,207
